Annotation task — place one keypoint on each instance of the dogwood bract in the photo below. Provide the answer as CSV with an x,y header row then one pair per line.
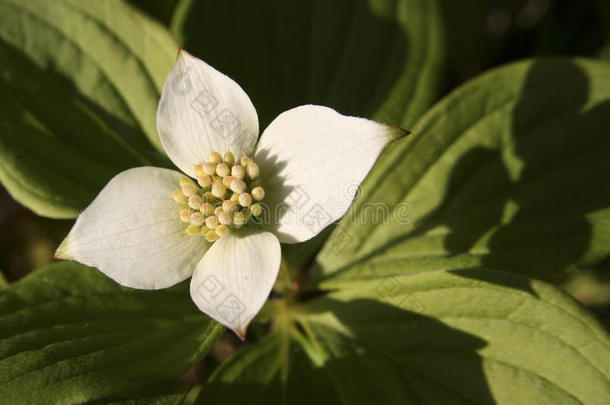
x,y
222,222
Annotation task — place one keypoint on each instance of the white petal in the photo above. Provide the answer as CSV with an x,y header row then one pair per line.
x,y
235,277
202,110
132,232
312,162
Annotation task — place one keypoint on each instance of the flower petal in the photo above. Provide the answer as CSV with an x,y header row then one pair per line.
x,y
312,161
132,232
235,277
202,110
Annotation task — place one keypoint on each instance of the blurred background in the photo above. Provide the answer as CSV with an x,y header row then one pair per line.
x,y
481,34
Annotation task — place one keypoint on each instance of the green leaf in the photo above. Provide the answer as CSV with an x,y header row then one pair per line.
x,y
71,335
174,396
79,87
473,43
163,10
509,172
450,337
476,336
274,370
379,59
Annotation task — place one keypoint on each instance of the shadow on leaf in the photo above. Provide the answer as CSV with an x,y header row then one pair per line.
x,y
383,354
537,223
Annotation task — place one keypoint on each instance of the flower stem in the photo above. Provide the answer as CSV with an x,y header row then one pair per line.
x,y
285,285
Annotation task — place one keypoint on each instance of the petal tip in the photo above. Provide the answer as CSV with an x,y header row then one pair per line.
x,y
241,333
397,133
181,51
182,56
240,330
62,251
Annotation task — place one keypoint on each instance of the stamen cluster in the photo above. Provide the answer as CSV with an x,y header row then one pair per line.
x,y
225,197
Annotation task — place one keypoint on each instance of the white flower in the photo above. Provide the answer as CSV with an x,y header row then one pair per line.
x,y
303,168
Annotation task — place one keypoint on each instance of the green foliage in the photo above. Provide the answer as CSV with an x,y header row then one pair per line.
x,y
275,370
79,87
173,397
70,334
509,172
466,336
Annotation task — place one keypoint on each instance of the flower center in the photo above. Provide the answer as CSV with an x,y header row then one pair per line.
x,y
227,196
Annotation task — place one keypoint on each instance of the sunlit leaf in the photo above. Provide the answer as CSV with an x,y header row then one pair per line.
x,y
79,87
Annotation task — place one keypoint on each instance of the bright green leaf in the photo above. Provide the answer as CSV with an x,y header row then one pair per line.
x,y
79,87
465,336
71,335
509,172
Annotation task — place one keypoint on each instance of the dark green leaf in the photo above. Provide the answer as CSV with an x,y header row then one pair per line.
x,y
173,396
71,335
163,10
275,370
378,59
